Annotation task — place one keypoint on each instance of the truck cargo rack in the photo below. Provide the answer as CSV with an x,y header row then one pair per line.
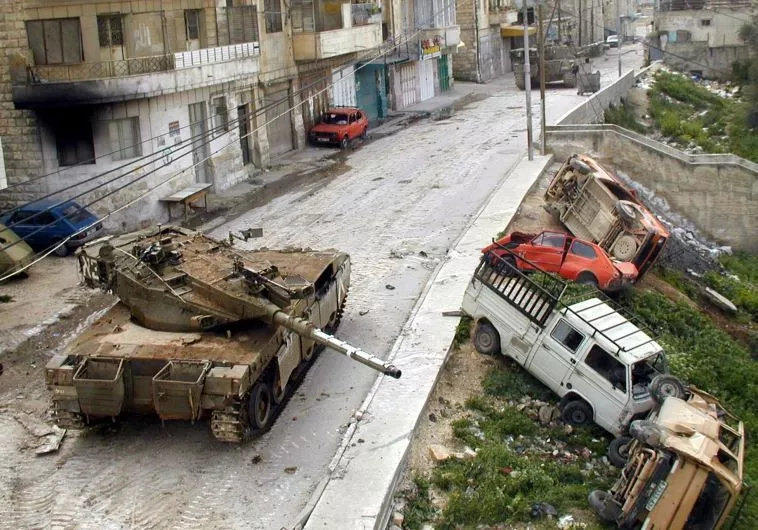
x,y
534,298
536,293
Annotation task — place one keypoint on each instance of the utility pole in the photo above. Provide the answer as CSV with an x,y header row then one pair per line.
x,y
541,37
618,33
560,39
581,10
528,84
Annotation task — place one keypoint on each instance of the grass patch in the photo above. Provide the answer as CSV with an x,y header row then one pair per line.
x,y
743,290
691,114
462,331
419,508
5,298
514,383
623,116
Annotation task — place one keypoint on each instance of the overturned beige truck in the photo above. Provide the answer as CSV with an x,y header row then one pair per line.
x,y
684,471
202,330
595,205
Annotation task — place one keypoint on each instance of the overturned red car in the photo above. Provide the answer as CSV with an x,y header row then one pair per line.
x,y
572,258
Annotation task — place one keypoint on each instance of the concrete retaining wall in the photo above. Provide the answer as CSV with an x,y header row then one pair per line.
x,y
719,193
593,109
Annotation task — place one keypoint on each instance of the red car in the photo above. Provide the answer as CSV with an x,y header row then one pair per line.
x,y
340,125
573,259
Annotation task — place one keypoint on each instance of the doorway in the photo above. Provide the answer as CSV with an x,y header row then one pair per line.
x,y
200,141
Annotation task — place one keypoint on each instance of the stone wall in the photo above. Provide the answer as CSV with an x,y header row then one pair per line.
x,y
22,155
593,109
465,65
714,63
719,193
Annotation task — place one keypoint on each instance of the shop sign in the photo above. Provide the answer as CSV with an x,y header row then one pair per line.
x,y
431,48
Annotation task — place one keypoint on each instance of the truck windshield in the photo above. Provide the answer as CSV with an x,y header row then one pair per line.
x,y
643,373
709,505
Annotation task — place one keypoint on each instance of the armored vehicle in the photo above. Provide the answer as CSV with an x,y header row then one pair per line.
x,y
201,329
560,65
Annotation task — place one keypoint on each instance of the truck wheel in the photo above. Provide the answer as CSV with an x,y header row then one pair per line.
x,y
486,339
618,451
606,508
647,432
664,386
259,406
587,278
577,413
580,166
625,247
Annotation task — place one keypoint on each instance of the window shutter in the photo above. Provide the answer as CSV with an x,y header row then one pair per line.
x,y
71,41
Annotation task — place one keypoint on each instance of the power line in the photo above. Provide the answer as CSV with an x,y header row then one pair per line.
x,y
54,247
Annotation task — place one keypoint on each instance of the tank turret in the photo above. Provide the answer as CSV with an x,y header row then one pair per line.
x,y
201,328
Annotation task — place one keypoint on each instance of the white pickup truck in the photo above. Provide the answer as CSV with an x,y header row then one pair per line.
x,y
604,367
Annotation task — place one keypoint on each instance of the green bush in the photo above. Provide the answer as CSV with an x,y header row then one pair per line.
x,y
623,116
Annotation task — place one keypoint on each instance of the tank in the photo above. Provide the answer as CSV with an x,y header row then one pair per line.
x,y
560,65
201,330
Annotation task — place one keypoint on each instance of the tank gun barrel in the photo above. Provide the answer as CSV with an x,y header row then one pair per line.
x,y
309,331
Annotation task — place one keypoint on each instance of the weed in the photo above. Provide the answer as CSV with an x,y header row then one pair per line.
x,y
623,116
477,403
5,299
419,508
462,331
514,383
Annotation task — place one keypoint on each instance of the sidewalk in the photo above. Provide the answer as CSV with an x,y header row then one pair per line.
x,y
364,473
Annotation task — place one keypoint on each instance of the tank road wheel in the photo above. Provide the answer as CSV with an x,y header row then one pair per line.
x,y
260,406
606,508
577,413
486,339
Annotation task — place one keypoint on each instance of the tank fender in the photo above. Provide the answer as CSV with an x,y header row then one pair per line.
x,y
288,357
228,381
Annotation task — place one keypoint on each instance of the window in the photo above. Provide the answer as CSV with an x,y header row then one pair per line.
x,y
242,24
75,213
567,336
55,41
583,250
35,218
125,139
73,139
273,9
110,31
302,16
220,114
607,367
705,22
192,23
551,240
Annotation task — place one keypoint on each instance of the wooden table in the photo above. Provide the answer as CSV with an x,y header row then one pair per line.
x,y
187,196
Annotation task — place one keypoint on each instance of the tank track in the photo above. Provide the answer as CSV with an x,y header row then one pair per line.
x,y
229,424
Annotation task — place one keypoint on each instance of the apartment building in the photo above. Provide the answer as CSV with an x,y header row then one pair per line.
x,y
700,36
90,87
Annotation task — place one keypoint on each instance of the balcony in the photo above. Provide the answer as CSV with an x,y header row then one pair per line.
x,y
502,15
360,30
434,40
144,77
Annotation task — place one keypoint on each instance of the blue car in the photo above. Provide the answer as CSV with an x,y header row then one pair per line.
x,y
45,223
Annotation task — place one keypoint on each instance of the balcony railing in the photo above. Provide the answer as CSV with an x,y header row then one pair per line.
x,y
364,14
61,73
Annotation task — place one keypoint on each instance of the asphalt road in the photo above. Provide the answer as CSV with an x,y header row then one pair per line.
x,y
395,205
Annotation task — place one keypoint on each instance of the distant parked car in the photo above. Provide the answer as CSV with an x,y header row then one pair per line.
x,y
14,253
339,126
45,223
612,41
573,259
